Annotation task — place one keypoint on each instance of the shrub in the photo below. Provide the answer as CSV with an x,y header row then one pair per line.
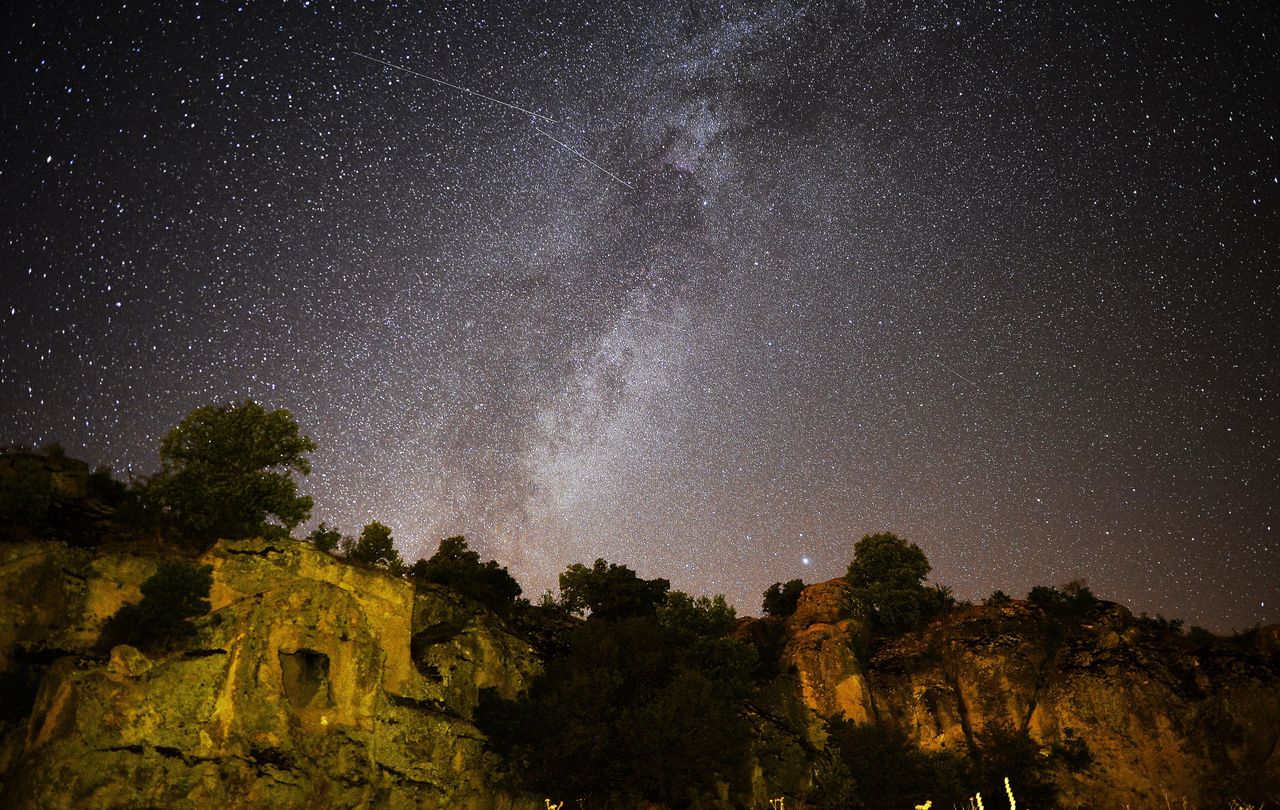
x,y
887,575
782,597
1074,602
324,538
460,568
997,599
376,547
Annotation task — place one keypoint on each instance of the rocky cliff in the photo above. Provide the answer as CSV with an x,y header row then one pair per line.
x,y
1159,718
312,683
316,683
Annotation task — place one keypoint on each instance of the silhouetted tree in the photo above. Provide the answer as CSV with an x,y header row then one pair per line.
x,y
227,471
460,568
781,598
375,547
629,713
26,493
610,591
324,538
887,574
1072,602
997,599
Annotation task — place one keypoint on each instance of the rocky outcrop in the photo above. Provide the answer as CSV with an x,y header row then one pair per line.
x,y
1158,717
823,647
316,683
312,683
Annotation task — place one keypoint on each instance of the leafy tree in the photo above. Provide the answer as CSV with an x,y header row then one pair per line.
x,y
26,492
629,713
460,568
883,769
1005,752
997,599
887,574
324,538
782,598
176,593
375,547
610,591
1072,603
703,617
227,470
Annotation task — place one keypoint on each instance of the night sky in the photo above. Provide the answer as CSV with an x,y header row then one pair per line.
x,y
999,277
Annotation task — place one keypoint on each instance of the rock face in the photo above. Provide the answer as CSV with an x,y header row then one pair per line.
x,y
315,683
1158,718
312,683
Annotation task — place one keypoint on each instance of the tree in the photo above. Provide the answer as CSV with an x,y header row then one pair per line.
x,y
887,574
629,713
324,538
176,593
703,617
1073,602
226,471
781,598
460,568
26,493
375,547
610,591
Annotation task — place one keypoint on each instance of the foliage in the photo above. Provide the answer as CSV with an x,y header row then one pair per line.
x,y
26,491
375,547
1004,752
630,712
324,538
225,471
703,617
997,599
883,769
782,597
460,568
887,575
610,591
1074,602
1199,637
176,593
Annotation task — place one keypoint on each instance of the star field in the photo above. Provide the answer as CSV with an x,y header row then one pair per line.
x,y
1001,278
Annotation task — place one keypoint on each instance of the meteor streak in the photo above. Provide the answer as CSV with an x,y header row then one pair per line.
x,y
953,371
466,90
584,157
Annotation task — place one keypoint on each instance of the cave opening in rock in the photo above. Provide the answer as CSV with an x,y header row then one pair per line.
x,y
304,674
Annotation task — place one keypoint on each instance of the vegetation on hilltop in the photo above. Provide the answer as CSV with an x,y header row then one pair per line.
x,y
649,695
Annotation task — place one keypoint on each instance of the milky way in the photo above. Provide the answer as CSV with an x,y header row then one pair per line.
x,y
773,275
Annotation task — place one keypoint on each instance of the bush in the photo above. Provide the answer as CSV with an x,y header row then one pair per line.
x,y
610,591
376,547
781,598
630,713
884,770
176,593
458,567
887,575
704,617
1074,602
997,599
324,538
1004,752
